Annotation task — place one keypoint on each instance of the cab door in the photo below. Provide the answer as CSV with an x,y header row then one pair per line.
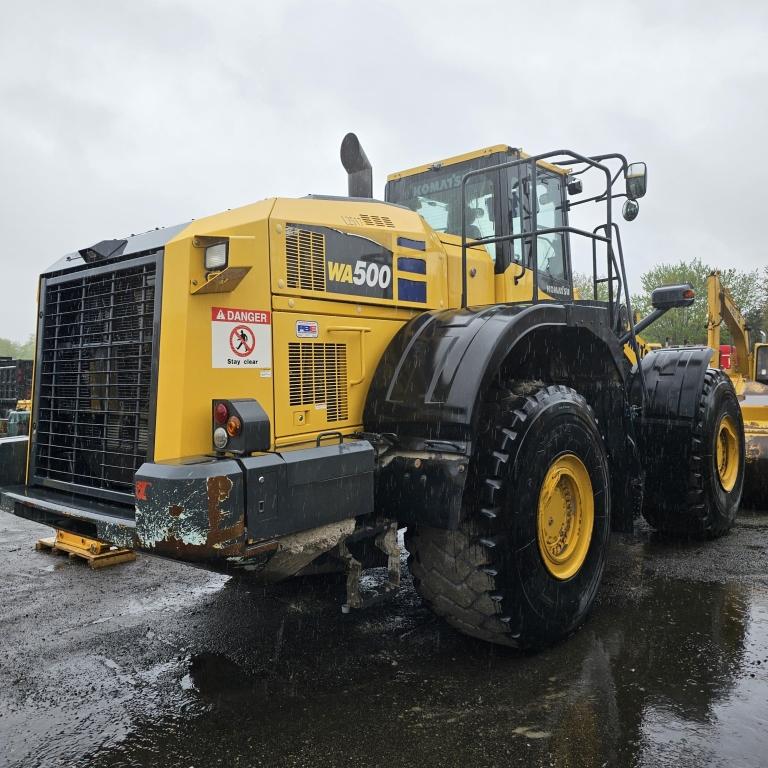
x,y
515,276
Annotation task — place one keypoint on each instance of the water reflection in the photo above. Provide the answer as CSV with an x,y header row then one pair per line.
x,y
283,679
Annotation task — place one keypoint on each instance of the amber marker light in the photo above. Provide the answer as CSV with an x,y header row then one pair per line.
x,y
233,426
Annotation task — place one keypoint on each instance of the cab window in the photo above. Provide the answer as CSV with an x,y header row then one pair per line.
x,y
551,248
436,195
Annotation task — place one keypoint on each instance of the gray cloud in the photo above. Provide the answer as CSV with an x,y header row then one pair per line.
x,y
119,117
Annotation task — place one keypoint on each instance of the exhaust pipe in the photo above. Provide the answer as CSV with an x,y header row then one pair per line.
x,y
357,166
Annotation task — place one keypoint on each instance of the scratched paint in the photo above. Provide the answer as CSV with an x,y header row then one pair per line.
x,y
179,511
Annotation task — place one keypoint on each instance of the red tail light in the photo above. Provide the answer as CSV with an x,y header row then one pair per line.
x,y
220,413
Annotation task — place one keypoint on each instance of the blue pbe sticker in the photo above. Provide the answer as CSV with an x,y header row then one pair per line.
x,y
306,329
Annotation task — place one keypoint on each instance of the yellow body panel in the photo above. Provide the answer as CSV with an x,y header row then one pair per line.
x,y
306,306
257,279
380,223
186,379
364,339
517,286
480,285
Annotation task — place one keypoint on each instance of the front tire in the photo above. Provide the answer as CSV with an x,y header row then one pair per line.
x,y
713,477
524,567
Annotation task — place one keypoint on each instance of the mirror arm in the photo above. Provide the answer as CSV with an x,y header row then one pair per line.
x,y
596,199
643,324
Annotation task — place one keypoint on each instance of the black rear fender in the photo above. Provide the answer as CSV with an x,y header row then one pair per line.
x,y
430,381
430,384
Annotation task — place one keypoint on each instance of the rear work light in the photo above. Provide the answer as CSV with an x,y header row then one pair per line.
x,y
216,257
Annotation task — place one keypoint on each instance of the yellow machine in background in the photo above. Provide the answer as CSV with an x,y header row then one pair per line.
x,y
748,370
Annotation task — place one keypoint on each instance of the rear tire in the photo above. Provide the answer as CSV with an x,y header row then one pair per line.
x,y
525,566
714,478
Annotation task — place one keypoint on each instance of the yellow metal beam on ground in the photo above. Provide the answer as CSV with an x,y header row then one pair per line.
x,y
97,554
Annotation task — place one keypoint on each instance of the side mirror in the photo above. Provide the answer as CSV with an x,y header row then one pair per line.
x,y
637,180
630,210
673,296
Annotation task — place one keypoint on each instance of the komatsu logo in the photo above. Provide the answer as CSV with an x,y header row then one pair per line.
x,y
557,290
363,273
437,185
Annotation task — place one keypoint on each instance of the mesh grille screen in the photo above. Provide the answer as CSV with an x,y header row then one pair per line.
x,y
305,259
94,379
318,375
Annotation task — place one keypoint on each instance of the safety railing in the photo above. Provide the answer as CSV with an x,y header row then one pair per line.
x,y
607,233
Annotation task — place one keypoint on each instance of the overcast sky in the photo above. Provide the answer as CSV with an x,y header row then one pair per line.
x,y
119,117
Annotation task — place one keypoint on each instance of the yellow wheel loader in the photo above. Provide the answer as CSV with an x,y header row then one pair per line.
x,y
279,388
748,370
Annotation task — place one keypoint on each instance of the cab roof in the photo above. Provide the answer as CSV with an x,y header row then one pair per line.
x,y
484,152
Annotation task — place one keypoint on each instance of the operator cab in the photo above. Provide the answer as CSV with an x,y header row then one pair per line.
x,y
496,204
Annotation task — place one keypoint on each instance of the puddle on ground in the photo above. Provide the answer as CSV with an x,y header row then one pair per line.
x,y
665,671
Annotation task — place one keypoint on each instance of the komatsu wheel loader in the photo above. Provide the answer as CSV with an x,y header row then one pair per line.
x,y
285,385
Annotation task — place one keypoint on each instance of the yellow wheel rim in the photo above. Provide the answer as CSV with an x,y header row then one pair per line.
x,y
727,453
566,516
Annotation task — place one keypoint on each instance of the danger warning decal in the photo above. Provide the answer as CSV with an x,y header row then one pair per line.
x,y
240,338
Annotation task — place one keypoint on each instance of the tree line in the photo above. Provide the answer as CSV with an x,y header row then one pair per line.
x,y
689,325
680,326
18,350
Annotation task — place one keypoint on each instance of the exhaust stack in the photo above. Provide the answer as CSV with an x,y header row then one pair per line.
x,y
357,166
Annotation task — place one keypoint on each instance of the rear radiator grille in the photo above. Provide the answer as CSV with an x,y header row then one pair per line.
x,y
305,258
317,375
93,385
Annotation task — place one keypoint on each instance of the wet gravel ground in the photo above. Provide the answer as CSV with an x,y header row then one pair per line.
x,y
156,663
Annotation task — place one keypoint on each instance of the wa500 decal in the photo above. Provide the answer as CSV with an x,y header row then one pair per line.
x,y
367,273
354,264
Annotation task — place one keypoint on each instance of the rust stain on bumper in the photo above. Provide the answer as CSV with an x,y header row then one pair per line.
x,y
192,513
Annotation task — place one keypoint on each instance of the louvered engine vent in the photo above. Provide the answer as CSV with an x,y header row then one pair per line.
x,y
305,258
376,221
318,376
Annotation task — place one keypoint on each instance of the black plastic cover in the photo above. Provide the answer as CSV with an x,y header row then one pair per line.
x,y
306,488
105,249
